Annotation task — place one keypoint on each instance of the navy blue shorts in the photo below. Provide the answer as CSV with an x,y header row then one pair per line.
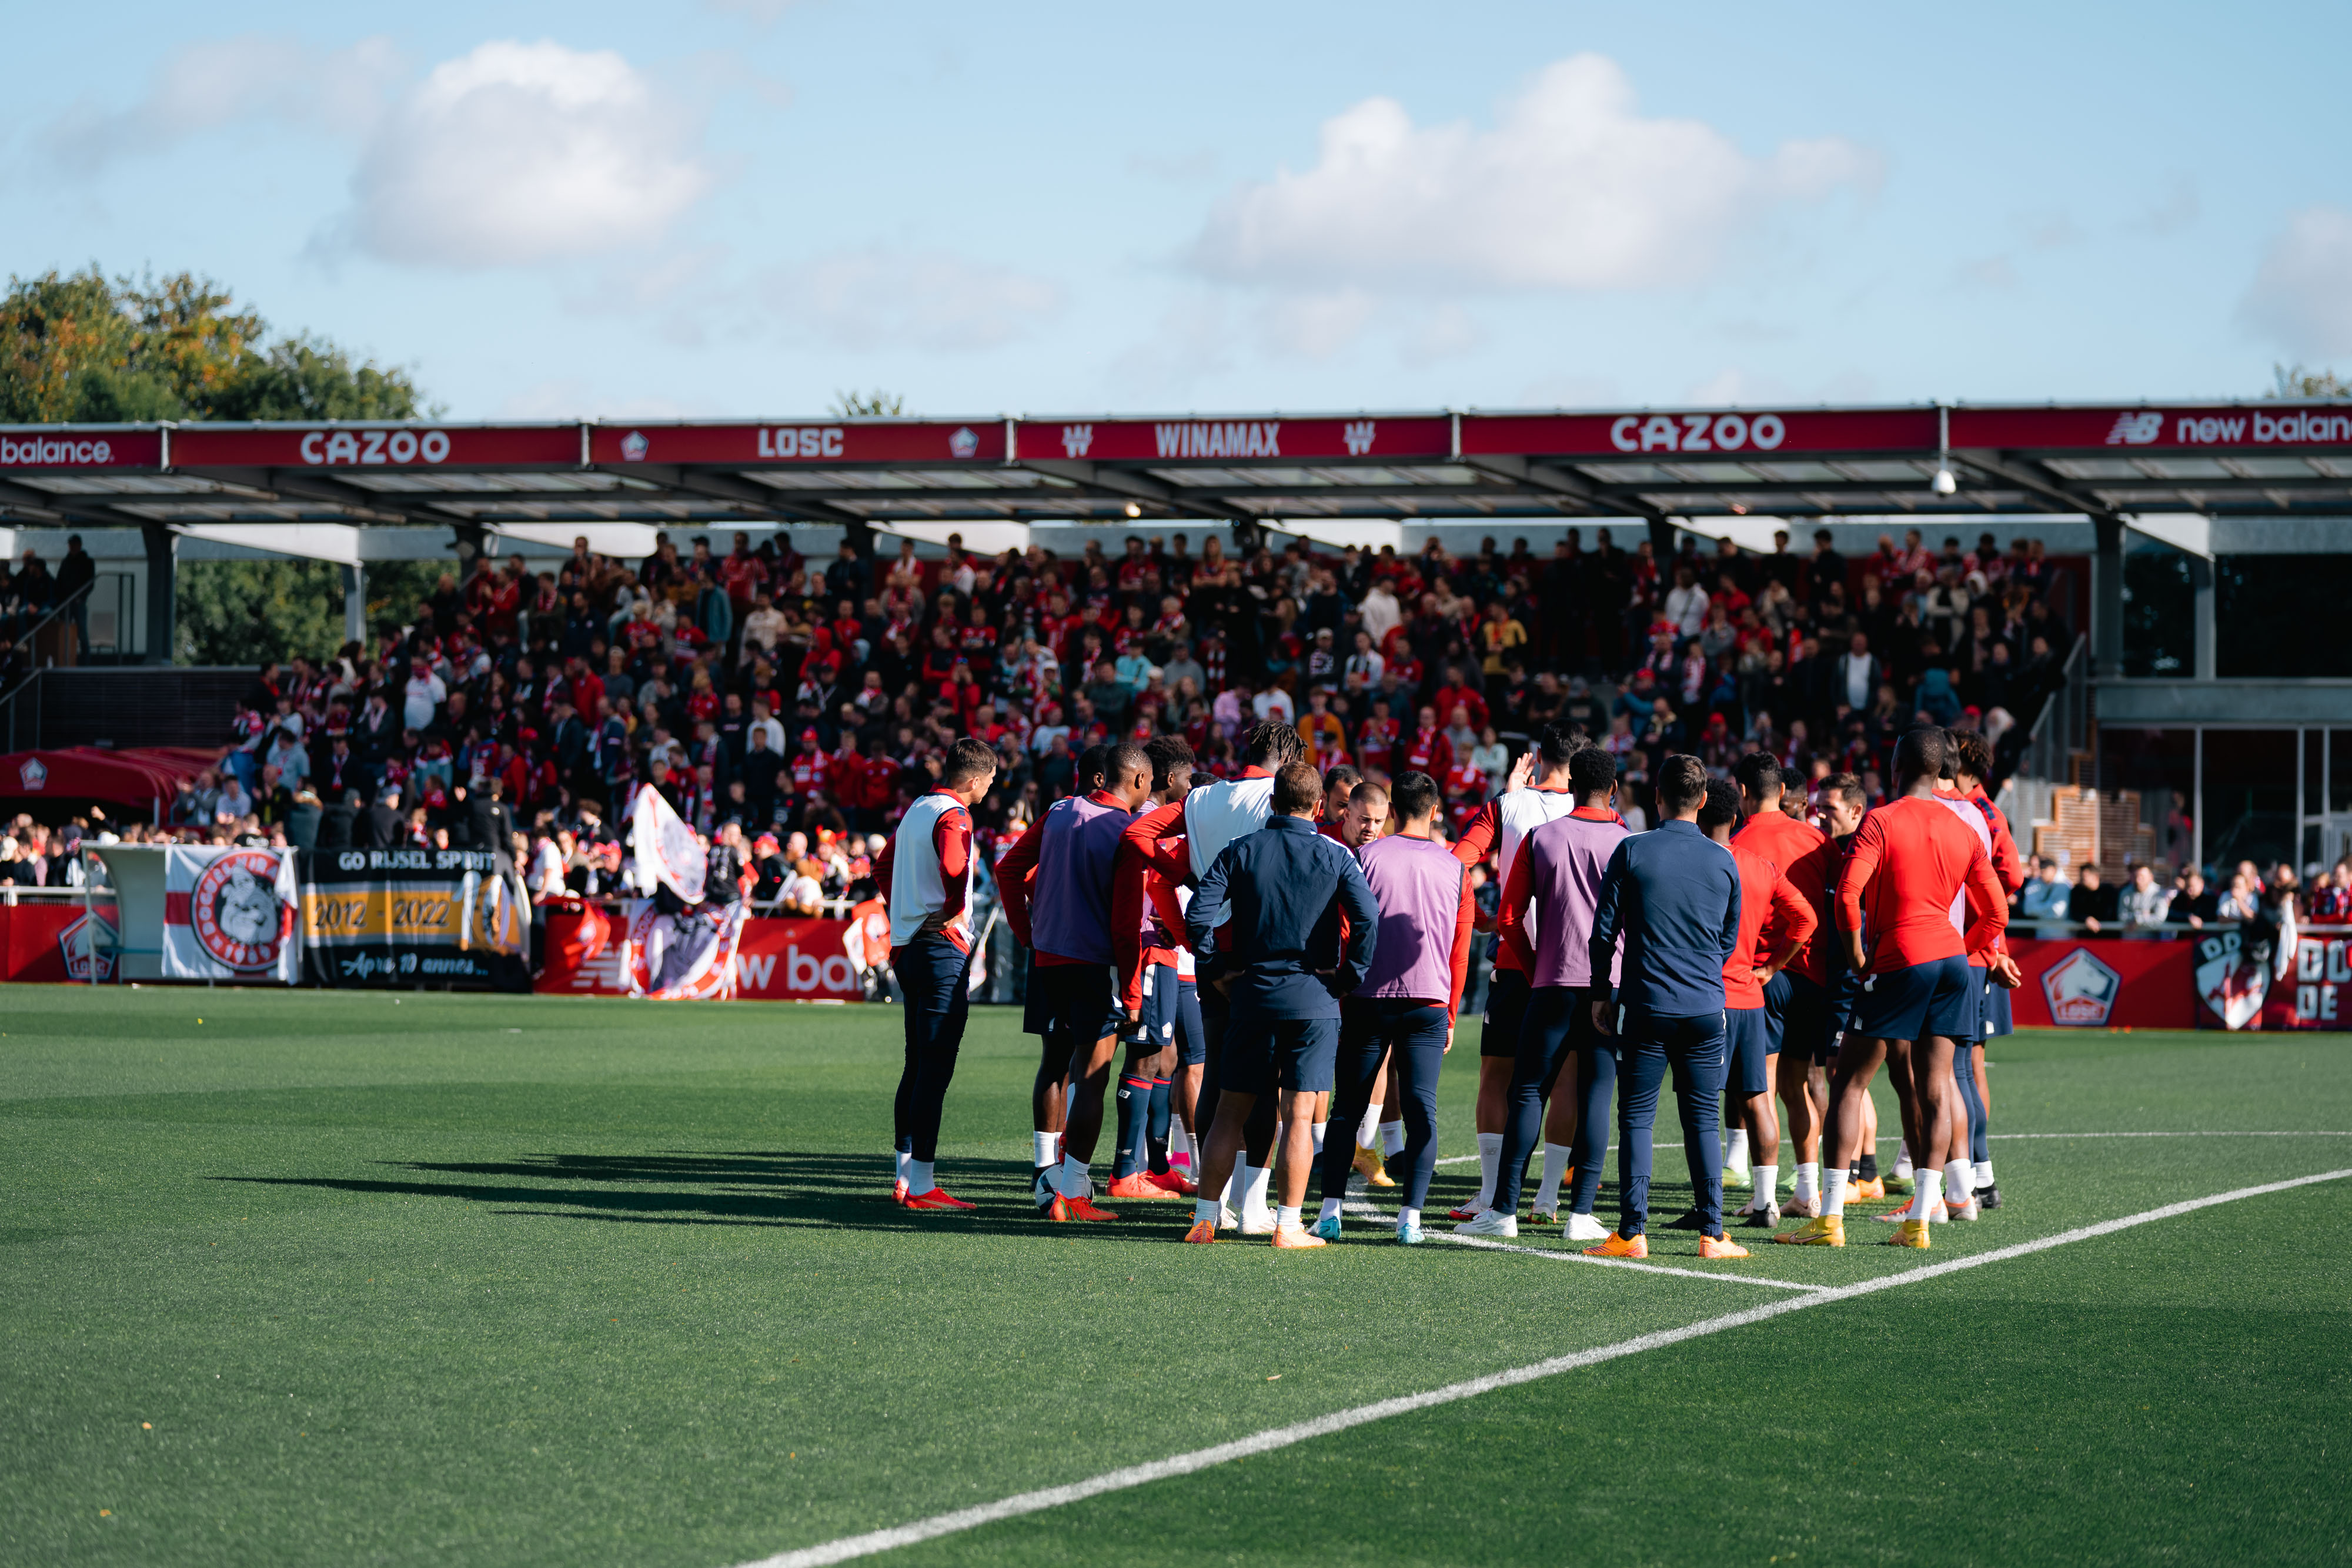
x,y
1808,1022
1079,1001
1160,1006
1192,1041
1939,998
1506,1011
1776,1010
1266,1055
1996,1018
1748,1038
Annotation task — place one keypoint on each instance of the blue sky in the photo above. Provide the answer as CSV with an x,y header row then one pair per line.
x,y
741,207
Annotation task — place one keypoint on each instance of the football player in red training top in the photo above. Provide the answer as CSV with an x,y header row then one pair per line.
x,y
1775,921
1911,857
1802,1033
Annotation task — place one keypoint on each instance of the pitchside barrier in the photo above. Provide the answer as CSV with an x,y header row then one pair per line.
x,y
430,924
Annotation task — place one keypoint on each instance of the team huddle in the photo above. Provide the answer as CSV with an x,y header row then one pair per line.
x,y
1263,957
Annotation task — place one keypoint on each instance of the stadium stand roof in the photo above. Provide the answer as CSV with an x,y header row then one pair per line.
x,y
2248,459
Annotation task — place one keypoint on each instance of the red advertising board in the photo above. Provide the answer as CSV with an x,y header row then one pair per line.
x,y
779,961
2103,982
1381,438
2239,990
423,446
2276,427
50,942
32,448
793,444
1715,433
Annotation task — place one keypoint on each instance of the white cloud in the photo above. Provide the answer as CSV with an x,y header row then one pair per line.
x,y
758,13
873,298
218,82
525,152
1572,189
2302,297
1987,272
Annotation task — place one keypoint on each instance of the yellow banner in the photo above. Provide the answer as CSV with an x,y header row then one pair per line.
x,y
432,914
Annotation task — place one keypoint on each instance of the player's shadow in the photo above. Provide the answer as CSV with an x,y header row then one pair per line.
x,y
753,1187
785,1189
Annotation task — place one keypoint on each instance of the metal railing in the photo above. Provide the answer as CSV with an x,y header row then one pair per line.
x,y
2063,725
22,670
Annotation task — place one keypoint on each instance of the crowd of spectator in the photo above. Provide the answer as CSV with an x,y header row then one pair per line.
x,y
806,703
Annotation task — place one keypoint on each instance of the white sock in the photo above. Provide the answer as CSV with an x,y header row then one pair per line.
x,y
1253,1195
1956,1182
1764,1178
1321,1128
1330,1210
1490,1159
919,1179
1925,1194
1180,1144
1736,1155
1206,1211
1903,1165
1042,1149
1809,1179
1286,1218
1833,1193
1368,1130
903,1160
1392,1138
1071,1177
1407,1218
1236,1181
1983,1173
1556,1158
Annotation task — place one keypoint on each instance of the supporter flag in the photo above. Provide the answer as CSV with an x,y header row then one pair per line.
x,y
228,914
686,957
668,852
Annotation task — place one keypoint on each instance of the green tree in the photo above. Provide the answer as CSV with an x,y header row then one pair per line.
x,y
76,347
248,611
2294,380
875,404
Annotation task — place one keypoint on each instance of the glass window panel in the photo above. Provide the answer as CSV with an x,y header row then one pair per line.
x,y
2340,771
2250,796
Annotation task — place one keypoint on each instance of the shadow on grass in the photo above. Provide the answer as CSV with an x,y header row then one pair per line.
x,y
762,1188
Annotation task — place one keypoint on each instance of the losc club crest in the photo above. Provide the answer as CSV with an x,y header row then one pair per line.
x,y
236,912
2081,990
964,443
33,774
2232,986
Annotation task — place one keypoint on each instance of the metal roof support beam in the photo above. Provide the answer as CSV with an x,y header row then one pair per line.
x,y
1567,486
1123,484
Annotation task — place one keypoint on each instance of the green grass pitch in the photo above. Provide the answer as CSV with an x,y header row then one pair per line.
x,y
445,1279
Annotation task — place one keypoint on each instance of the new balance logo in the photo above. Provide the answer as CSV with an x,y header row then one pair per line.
x,y
2136,429
1358,435
1076,438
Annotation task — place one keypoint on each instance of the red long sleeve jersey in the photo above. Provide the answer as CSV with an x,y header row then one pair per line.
x,y
1767,900
1910,858
1806,857
1140,887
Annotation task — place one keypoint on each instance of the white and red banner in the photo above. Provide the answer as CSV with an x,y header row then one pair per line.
x,y
774,960
688,956
669,853
229,914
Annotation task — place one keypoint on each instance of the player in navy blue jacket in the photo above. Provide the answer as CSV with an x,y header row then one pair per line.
x,y
1283,888
1674,893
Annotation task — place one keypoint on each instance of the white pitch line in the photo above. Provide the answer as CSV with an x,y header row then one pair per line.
x,y
850,1547
1490,1244
1997,1137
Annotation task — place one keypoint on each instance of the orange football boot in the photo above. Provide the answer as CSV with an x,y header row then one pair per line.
x,y
1618,1247
938,1198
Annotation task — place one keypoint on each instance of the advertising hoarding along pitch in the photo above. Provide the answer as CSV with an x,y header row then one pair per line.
x,y
798,442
